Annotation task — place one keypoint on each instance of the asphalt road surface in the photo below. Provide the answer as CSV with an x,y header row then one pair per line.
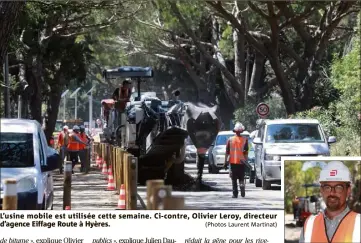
x,y
292,232
89,193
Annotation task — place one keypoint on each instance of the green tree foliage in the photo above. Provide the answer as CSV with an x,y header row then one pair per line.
x,y
340,117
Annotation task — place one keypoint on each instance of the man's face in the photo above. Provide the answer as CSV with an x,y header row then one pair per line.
x,y
335,194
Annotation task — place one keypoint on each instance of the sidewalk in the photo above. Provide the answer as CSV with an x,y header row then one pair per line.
x,y
88,191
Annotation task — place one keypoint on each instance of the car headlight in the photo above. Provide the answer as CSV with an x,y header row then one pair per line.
x,y
272,157
26,184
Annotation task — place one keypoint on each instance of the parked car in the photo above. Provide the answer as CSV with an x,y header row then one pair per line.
x,y
217,152
251,160
191,151
286,137
26,157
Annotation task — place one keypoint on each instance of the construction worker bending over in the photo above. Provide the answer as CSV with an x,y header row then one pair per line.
x,y
83,148
236,155
74,145
337,223
63,141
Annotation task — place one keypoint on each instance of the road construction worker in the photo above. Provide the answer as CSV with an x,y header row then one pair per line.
x,y
123,94
295,207
63,140
237,155
337,223
83,148
73,146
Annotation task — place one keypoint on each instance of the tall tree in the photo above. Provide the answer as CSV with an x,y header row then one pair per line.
x,y
9,13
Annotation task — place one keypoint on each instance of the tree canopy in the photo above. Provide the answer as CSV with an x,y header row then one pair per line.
x,y
233,54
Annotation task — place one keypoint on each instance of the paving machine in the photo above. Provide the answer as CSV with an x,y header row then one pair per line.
x,y
152,129
144,125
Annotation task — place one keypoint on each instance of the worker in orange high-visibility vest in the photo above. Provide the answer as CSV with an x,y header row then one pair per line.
x,y
74,146
63,140
83,148
337,223
236,155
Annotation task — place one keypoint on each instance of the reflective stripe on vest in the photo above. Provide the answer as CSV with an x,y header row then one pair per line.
x,y
236,147
348,230
73,145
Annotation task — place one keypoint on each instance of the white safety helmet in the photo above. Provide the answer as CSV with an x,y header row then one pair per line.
x,y
65,127
76,127
238,127
335,171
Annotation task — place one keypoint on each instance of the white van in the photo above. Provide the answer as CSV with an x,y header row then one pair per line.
x,y
286,137
26,157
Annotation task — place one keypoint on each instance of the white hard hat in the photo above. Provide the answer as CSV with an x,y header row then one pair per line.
x,y
65,127
76,127
238,127
335,171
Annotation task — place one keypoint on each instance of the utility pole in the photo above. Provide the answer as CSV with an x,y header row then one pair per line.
x,y
75,95
63,95
90,96
7,84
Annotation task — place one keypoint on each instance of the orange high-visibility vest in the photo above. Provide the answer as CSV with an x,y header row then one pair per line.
x,y
348,230
236,147
61,139
84,139
73,145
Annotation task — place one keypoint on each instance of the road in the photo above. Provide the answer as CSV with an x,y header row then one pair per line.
x,y
292,232
88,192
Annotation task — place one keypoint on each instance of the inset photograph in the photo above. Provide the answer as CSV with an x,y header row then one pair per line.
x,y
322,199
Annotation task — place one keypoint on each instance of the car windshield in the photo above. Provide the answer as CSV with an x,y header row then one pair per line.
x,y
294,133
16,150
222,139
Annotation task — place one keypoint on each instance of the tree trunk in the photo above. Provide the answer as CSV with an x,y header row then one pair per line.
x,y
287,95
9,13
37,82
231,94
239,64
258,66
247,79
52,110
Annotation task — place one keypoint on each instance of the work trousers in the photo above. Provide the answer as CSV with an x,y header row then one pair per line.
x,y
74,157
200,165
63,153
82,156
237,173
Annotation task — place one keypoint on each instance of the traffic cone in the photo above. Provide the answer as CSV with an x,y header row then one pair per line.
x,y
104,171
110,170
111,184
121,201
